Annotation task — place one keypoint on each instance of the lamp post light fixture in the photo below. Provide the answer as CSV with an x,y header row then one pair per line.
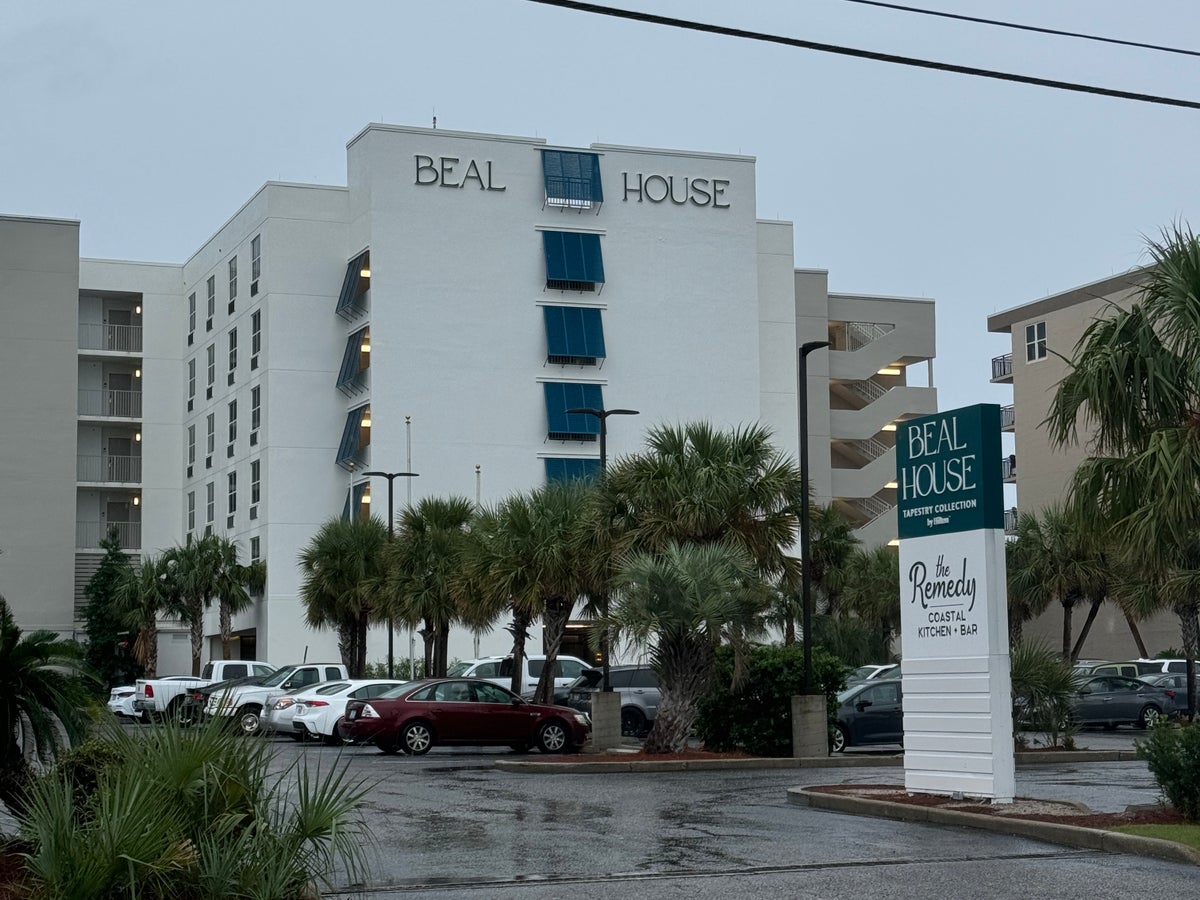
x,y
805,578
602,415
391,476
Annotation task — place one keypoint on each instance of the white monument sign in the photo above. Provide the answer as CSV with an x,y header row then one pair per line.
x,y
958,729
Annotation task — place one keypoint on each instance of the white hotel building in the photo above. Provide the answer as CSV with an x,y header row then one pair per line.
x,y
441,312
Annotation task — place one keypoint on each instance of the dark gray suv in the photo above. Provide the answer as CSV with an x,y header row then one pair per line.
x,y
638,687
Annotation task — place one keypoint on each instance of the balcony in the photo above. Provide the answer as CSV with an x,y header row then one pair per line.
x,y
1010,521
89,534
1008,418
111,404
1008,469
1002,369
109,469
117,338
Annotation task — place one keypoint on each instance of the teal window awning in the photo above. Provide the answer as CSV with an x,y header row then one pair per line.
x,y
354,507
561,469
573,260
574,335
564,395
356,362
351,301
356,437
572,179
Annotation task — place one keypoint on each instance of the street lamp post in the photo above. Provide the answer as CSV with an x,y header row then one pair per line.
x,y
805,578
602,415
391,476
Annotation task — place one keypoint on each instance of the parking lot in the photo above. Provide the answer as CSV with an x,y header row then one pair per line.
x,y
450,825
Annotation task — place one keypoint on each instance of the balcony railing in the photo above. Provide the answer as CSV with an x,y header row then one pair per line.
x,y
860,334
1008,468
872,507
119,404
118,469
1010,521
1002,367
1008,417
125,338
868,390
870,448
89,534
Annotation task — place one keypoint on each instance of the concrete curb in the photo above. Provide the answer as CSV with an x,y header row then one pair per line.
x,y
1050,832
581,766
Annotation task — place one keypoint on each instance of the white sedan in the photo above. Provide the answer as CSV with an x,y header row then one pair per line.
x,y
280,711
120,703
318,712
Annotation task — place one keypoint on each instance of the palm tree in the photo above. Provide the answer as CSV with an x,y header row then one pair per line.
x,y
343,574
140,596
832,545
872,590
681,604
1061,561
1134,381
697,484
423,565
236,586
1026,599
42,687
525,558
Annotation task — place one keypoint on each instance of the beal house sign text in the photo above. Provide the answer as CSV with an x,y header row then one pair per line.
x,y
449,171
677,189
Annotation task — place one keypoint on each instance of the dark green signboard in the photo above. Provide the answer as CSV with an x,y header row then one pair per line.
x,y
948,472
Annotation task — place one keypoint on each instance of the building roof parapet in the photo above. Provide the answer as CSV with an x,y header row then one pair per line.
x,y
443,132
1003,321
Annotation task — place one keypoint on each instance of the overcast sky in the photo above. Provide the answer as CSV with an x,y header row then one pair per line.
x,y
153,122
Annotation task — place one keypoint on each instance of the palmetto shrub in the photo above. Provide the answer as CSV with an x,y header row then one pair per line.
x,y
1173,756
1042,690
195,814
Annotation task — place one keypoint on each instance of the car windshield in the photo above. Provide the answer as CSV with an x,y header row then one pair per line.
x,y
279,677
393,693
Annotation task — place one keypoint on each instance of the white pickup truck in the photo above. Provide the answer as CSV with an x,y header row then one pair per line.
x,y
247,701
163,697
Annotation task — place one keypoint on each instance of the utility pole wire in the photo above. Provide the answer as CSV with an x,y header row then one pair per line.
x,y
1018,27
866,54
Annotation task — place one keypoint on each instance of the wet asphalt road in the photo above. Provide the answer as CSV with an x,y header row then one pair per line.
x,y
449,825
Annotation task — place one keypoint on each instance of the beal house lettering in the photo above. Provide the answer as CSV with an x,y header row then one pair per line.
x,y
677,189
933,469
448,171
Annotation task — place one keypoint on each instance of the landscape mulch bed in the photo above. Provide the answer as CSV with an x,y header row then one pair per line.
x,y
1066,813
686,755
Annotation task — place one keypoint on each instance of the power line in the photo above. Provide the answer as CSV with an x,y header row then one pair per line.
x,y
866,54
1018,27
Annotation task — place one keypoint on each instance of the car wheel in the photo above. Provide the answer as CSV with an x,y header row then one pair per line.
x,y
839,739
248,719
552,737
633,722
416,738
1149,715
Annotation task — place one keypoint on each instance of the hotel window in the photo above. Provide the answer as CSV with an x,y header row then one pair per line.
x,y
255,263
232,284
210,501
191,383
191,510
1035,342
212,301
560,469
255,337
358,502
573,261
232,424
255,413
191,317
572,179
212,436
356,363
352,301
255,552
563,395
232,353
212,369
232,492
255,481
356,438
574,335
191,447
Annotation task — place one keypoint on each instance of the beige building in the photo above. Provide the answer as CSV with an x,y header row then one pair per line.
x,y
1044,334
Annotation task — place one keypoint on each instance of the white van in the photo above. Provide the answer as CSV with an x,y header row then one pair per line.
x,y
499,670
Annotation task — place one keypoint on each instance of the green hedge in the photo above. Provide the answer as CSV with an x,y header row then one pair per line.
x,y
1173,756
757,717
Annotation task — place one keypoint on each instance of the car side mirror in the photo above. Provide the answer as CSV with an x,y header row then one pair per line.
x,y
862,704
517,701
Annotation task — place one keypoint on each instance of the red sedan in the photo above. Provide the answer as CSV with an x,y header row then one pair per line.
x,y
461,711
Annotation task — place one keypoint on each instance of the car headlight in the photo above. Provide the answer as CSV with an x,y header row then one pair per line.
x,y
284,702
583,718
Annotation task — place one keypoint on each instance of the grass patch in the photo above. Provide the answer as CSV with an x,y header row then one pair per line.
x,y
1181,834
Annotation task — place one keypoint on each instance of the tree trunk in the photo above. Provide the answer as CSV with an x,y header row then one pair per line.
x,y
1087,626
345,641
1137,635
443,651
360,657
1016,630
789,629
15,778
145,649
520,631
1189,630
558,613
686,671
1068,605
428,636
196,625
226,618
